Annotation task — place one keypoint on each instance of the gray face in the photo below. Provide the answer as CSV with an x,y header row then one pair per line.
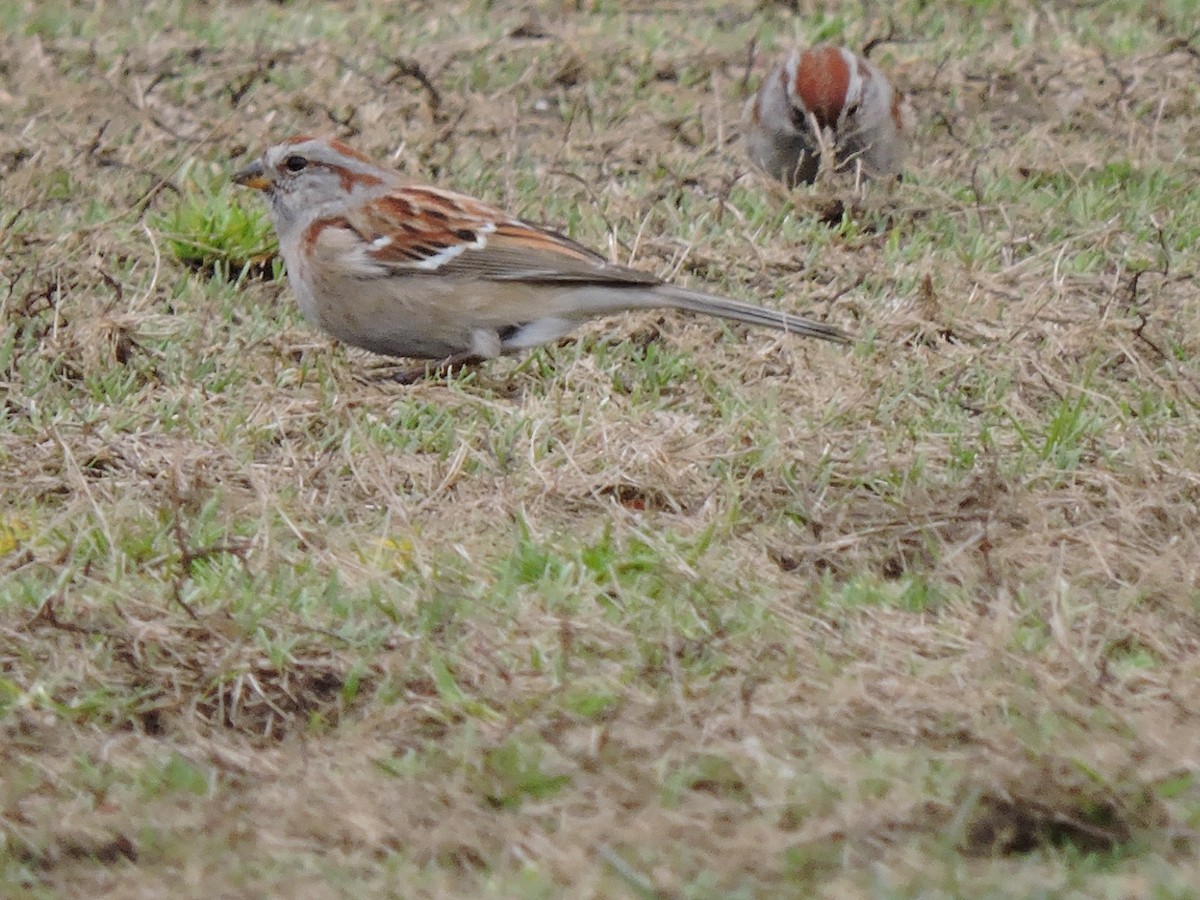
x,y
292,184
304,176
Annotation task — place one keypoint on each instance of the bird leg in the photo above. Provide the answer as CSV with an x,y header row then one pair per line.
x,y
452,363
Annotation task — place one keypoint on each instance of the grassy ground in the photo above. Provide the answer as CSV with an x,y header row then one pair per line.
x,y
671,609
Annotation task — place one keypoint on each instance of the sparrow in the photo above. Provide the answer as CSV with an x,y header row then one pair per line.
x,y
826,88
408,270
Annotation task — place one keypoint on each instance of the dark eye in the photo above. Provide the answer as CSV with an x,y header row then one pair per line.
x,y
295,163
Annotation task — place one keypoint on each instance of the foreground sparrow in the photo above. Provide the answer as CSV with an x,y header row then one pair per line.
x,y
423,272
822,88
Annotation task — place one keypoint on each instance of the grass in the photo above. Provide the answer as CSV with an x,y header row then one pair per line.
x,y
209,232
673,608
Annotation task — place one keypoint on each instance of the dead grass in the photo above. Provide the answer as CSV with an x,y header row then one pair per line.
x,y
671,609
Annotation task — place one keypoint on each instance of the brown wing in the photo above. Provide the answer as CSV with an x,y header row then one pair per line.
x,y
422,229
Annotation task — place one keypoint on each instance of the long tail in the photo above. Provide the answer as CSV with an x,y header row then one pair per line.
x,y
708,304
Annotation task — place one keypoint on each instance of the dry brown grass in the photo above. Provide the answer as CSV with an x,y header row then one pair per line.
x,y
670,609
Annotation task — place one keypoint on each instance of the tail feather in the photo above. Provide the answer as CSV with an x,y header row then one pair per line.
x,y
709,304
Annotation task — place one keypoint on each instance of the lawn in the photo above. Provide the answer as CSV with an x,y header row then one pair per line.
x,y
672,608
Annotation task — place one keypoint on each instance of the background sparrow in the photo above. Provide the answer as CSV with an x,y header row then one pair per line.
x,y
405,270
833,88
